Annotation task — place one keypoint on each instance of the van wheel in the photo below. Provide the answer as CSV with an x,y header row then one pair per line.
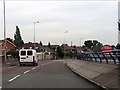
x,y
33,63
36,64
20,65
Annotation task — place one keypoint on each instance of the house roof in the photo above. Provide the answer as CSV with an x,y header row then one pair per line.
x,y
66,47
11,43
48,48
10,46
2,42
28,45
54,46
39,47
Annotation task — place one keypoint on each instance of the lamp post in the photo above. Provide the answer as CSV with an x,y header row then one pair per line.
x,y
34,33
80,44
64,35
119,22
81,41
64,43
119,31
4,30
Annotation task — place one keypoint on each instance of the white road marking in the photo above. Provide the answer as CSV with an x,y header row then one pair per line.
x,y
14,78
26,71
33,68
0,87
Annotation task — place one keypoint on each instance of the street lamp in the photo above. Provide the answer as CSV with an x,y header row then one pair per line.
x,y
119,31
64,42
34,32
4,31
64,35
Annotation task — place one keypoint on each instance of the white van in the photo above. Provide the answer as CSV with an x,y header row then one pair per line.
x,y
28,56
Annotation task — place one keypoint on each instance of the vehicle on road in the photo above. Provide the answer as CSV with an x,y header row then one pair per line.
x,y
28,56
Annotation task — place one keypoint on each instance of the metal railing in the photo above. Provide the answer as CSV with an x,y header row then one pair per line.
x,y
108,56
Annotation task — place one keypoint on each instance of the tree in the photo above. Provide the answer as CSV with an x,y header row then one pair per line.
x,y
40,43
118,46
97,47
94,45
113,46
49,45
11,40
88,43
95,42
18,39
60,52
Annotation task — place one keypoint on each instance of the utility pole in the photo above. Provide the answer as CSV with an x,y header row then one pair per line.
x,y
4,32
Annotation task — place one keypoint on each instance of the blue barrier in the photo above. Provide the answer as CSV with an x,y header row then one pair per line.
x,y
104,56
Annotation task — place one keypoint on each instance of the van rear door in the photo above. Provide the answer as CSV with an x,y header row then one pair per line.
x,y
22,56
30,56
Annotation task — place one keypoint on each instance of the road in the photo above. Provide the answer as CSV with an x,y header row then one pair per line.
x,y
48,74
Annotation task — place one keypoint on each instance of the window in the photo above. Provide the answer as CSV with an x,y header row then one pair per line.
x,y
23,52
29,52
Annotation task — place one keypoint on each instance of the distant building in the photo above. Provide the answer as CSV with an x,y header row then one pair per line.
x,y
66,48
43,51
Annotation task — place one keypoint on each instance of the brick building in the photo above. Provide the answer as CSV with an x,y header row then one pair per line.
x,y
9,46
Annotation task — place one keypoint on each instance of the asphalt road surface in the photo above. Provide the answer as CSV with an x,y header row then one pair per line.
x,y
48,74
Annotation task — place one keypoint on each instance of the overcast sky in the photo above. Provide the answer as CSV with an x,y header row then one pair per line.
x,y
82,19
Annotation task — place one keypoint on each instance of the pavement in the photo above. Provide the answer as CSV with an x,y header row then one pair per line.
x,y
104,75
11,63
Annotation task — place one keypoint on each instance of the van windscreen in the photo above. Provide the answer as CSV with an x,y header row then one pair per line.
x,y
23,52
29,52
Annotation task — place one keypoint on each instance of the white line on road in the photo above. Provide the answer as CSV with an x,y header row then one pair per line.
x,y
14,78
33,68
26,71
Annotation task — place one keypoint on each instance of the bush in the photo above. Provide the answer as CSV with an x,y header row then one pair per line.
x,y
13,53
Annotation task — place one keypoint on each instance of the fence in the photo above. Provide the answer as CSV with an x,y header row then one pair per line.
x,y
112,56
